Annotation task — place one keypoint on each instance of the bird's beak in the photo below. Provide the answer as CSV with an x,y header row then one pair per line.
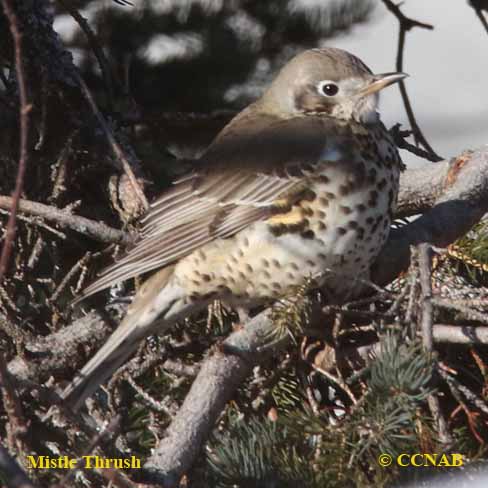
x,y
378,82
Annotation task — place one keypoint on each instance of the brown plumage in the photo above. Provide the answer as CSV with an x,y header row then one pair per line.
x,y
301,183
243,179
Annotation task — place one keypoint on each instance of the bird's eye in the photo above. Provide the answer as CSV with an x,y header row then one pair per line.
x,y
328,89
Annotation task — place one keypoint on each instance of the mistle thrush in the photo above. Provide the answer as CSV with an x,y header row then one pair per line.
x,y
302,183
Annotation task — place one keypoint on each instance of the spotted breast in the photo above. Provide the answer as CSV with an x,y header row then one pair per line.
x,y
330,230
301,184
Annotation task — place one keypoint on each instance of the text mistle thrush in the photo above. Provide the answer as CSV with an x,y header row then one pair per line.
x,y
301,184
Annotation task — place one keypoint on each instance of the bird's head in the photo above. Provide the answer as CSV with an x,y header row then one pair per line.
x,y
328,81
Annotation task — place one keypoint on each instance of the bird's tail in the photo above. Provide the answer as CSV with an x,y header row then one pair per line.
x,y
159,304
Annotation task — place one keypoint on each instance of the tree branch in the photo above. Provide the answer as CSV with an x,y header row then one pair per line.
x,y
24,110
461,189
57,352
220,375
461,203
399,136
426,330
117,150
95,230
460,334
460,200
478,6
96,48
406,24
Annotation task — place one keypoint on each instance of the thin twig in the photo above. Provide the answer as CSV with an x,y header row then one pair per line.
x,y
68,277
427,337
34,220
479,12
96,48
426,323
469,415
4,80
181,369
59,172
406,24
361,314
399,138
337,381
473,398
25,108
44,102
380,296
90,228
152,403
412,296
395,306
115,146
314,405
480,303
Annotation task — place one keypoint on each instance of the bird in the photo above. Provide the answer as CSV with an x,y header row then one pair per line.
x,y
300,185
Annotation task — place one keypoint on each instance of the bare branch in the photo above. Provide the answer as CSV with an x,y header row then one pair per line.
x,y
406,24
399,138
24,111
426,294
426,325
478,6
466,312
96,48
114,145
217,380
460,334
461,201
420,188
94,230
463,389
59,351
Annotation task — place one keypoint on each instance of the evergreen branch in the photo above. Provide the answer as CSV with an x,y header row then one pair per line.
x,y
217,380
461,203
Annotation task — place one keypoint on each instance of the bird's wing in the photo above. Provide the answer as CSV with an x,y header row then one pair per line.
x,y
246,176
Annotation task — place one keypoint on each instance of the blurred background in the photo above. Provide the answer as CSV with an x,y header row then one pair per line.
x,y
208,55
